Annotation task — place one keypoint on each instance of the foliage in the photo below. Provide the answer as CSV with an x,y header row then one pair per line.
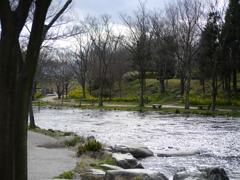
x,y
73,141
219,101
177,111
93,146
78,94
65,175
37,95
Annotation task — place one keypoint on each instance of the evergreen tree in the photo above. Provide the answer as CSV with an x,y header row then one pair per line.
x,y
209,53
231,41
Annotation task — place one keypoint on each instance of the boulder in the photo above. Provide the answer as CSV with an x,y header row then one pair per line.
x,y
110,167
137,150
201,173
133,174
126,161
178,153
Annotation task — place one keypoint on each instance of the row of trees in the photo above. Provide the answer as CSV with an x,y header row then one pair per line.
x,y
189,39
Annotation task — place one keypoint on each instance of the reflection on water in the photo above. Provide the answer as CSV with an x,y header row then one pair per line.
x,y
218,139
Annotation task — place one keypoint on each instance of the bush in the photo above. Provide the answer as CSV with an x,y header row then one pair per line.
x,y
37,95
78,94
219,101
94,146
177,111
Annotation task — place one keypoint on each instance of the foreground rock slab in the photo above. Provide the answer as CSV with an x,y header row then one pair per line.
x,y
178,153
201,173
110,167
126,161
132,174
137,150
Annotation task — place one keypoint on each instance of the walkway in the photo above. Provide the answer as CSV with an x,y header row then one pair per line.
x,y
46,163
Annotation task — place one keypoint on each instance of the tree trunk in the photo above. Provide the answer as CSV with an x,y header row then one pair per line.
x,y
100,103
235,81
84,90
187,89
31,115
162,85
214,93
182,86
120,88
141,104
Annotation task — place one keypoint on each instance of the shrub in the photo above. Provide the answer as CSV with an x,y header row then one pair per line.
x,y
37,95
219,101
177,111
93,146
78,94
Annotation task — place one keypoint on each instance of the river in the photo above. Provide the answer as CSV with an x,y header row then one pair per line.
x,y
217,138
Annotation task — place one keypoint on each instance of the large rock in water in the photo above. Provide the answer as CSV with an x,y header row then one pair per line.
x,y
137,150
133,174
201,173
126,161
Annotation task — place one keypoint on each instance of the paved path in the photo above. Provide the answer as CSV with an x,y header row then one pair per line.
x,y
50,99
46,163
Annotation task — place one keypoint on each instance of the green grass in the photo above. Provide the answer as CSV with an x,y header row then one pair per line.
x,y
65,175
73,141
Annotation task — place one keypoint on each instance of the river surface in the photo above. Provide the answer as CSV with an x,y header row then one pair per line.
x,y
217,138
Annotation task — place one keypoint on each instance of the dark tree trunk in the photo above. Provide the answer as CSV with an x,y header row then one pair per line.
x,y
235,81
162,86
100,103
84,90
187,90
31,115
16,78
214,93
120,88
141,103
182,86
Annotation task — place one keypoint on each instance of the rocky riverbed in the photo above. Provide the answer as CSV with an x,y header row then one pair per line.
x,y
215,138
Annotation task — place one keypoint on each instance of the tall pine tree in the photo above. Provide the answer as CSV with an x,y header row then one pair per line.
x,y
209,53
231,44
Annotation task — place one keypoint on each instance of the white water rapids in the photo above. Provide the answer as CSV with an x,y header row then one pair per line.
x,y
217,138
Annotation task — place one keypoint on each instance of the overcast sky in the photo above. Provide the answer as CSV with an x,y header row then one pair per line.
x,y
113,7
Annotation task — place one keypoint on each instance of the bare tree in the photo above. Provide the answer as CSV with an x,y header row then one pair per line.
x,y
105,44
138,43
184,18
162,53
79,61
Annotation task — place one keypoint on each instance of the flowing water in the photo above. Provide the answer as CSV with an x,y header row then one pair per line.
x,y
217,138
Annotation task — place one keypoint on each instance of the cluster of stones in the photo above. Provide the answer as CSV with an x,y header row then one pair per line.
x,y
128,168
